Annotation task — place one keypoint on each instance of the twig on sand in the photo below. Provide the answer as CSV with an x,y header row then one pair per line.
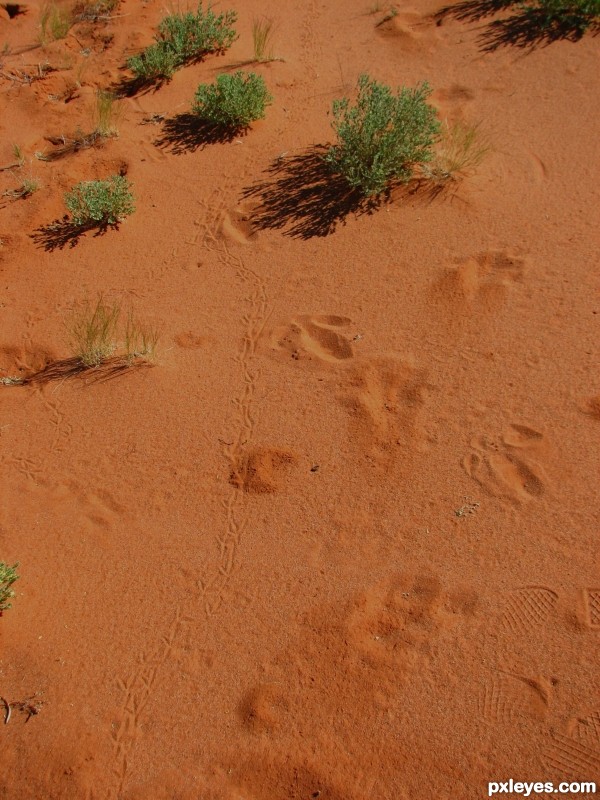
x,y
7,711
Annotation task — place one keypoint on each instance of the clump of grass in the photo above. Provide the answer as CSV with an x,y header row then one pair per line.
x,y
93,331
233,101
262,35
100,203
55,23
18,154
8,575
107,113
460,149
184,38
140,340
383,137
26,189
94,10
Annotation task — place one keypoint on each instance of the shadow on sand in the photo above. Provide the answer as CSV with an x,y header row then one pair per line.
x,y
526,27
185,133
64,232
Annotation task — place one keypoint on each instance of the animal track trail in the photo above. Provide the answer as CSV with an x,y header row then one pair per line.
x,y
511,468
137,689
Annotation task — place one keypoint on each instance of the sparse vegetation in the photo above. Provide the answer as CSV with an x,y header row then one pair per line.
x,y
8,575
18,154
94,10
55,23
262,34
92,332
108,113
460,149
184,38
383,137
233,101
26,189
103,202
94,335
139,340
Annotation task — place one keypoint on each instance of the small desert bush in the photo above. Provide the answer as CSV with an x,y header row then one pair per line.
x,y
8,575
156,62
95,332
572,14
262,34
55,23
107,113
384,136
183,38
233,101
460,149
100,202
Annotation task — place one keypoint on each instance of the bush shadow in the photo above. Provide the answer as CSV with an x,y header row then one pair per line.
x,y
526,27
303,196
133,86
64,232
186,133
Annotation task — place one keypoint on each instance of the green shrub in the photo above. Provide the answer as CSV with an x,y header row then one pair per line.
x,y
574,14
182,38
233,101
157,61
8,576
101,202
383,137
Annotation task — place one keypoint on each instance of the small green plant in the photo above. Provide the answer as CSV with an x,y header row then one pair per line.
x,y
156,62
262,34
93,331
460,149
233,101
572,14
103,202
184,38
383,137
8,575
108,113
55,23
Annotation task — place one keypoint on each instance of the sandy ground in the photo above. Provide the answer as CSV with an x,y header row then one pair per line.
x,y
340,542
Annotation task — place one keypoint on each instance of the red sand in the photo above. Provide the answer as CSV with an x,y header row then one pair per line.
x,y
341,541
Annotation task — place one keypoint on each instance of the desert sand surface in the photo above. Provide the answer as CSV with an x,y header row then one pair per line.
x,y
341,540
